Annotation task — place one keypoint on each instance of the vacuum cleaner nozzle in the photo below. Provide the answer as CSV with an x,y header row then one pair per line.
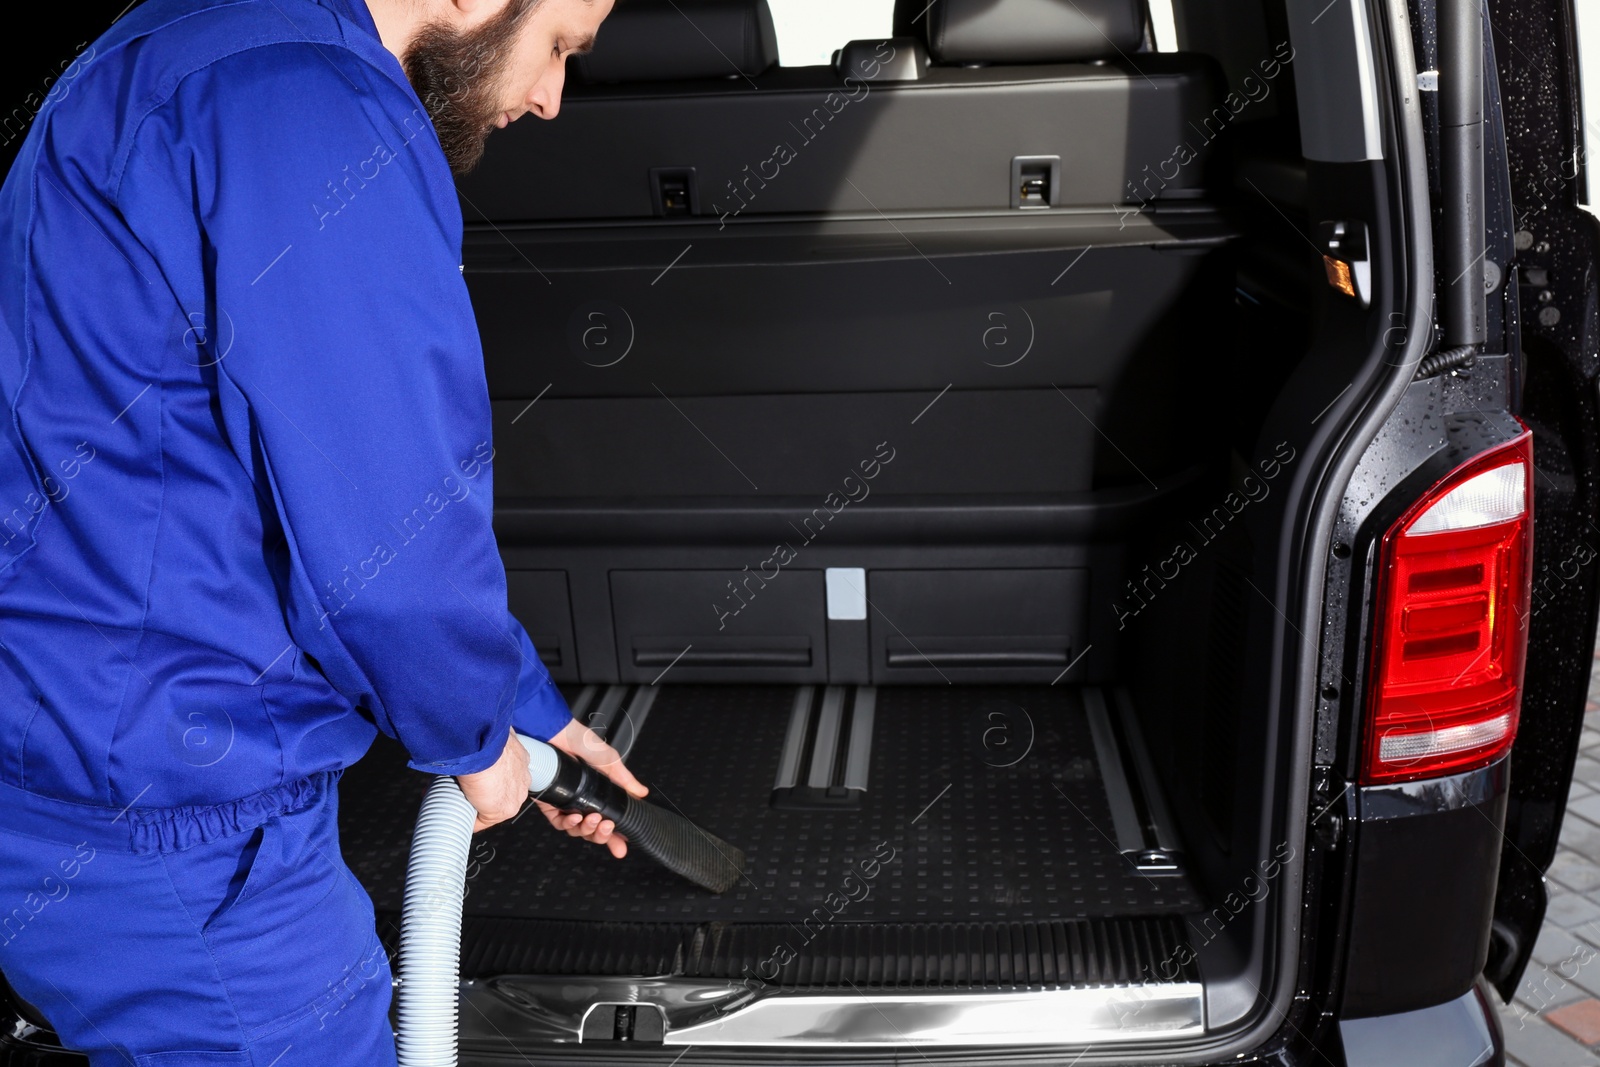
x,y
671,840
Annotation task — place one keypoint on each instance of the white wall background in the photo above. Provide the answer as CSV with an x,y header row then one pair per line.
x,y
810,30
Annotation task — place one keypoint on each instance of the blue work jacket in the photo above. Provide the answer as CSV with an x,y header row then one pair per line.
x,y
245,459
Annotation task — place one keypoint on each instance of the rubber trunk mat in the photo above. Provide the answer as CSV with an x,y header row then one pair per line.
x,y
953,828
816,955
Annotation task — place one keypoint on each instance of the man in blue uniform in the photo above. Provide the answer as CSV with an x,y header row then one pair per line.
x,y
245,468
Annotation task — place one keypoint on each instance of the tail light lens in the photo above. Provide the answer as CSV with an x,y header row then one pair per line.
x,y
1454,583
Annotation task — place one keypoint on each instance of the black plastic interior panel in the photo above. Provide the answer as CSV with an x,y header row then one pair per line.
x,y
540,601
1024,441
948,626
781,624
683,39
714,625
947,835
803,140
927,519
864,236
1078,318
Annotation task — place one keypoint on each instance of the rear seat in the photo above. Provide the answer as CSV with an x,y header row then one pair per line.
x,y
850,236
1007,78
728,285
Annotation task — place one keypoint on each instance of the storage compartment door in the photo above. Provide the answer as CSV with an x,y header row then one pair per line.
x,y
977,625
720,626
540,601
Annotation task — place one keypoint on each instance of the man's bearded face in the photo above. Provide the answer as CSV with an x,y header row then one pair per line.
x,y
458,75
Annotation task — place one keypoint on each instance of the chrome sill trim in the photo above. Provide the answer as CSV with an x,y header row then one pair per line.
x,y
700,1013
1046,1017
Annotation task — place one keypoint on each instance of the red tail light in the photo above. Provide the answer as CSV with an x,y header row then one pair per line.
x,y
1454,583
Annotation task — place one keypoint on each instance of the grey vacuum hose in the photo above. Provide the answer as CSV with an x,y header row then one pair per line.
x,y
436,878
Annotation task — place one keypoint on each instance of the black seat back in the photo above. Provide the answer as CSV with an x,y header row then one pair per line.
x,y
729,286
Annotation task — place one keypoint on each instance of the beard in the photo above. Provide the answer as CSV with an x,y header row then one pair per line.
x,y
457,76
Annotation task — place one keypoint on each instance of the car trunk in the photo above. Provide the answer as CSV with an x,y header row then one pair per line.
x,y
1071,856
908,539
931,838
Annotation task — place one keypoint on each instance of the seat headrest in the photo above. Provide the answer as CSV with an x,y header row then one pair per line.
x,y
1021,31
668,40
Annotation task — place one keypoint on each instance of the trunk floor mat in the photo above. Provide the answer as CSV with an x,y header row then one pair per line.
x,y
817,954
947,831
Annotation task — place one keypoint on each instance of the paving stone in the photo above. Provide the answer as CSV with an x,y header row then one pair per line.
x,y
1578,790
1589,959
1583,968
1534,1042
1588,807
1582,837
1589,932
1542,988
1579,1020
1567,910
1575,871
1586,982
1556,946
1587,771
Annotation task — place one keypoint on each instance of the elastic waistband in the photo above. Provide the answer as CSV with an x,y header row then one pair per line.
x,y
143,830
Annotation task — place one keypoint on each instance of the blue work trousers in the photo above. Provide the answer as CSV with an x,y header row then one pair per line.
x,y
254,948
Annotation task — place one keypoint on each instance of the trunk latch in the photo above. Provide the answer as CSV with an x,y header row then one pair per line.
x,y
625,1022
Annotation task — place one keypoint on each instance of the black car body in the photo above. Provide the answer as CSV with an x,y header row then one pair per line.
x,y
988,478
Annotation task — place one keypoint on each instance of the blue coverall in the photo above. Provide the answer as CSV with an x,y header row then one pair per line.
x,y
245,503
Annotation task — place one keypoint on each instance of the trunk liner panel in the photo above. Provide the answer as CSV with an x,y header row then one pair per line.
x,y
973,840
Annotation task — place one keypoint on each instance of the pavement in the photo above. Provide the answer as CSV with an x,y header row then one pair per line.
x,y
1554,1020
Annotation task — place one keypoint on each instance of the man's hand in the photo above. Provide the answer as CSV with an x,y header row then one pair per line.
x,y
576,739
499,792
